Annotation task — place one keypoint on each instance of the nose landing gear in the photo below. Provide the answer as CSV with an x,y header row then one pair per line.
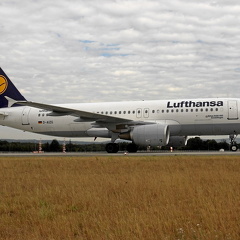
x,y
233,144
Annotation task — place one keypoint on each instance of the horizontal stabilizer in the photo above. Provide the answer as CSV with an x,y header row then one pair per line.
x,y
3,114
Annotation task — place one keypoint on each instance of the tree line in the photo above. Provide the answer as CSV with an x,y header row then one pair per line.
x,y
54,146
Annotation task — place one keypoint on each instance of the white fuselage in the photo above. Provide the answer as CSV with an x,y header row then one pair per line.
x,y
184,117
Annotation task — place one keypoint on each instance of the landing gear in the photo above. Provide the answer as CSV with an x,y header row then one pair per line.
x,y
132,148
234,148
233,144
112,147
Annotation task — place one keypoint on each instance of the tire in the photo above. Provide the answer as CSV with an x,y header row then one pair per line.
x,y
132,148
112,148
234,148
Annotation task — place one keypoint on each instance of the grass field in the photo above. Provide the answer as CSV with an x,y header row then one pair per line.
x,y
127,197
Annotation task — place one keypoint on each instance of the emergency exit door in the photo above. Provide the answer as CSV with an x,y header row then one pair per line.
x,y
232,110
25,118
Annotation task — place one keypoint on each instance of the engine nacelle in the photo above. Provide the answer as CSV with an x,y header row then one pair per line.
x,y
150,135
177,141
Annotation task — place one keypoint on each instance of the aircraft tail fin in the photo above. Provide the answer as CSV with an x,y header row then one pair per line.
x,y
8,91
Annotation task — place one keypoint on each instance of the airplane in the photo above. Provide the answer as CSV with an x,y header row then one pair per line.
x,y
153,123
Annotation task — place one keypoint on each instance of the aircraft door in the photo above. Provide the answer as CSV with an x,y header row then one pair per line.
x,y
232,110
25,116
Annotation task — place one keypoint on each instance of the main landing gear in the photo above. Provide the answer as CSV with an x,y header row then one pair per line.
x,y
233,144
114,148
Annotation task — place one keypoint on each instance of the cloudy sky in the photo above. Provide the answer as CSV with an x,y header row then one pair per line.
x,y
113,50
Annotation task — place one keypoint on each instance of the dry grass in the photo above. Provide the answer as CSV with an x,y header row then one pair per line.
x,y
176,197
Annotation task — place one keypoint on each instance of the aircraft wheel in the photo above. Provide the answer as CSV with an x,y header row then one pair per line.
x,y
132,148
112,147
234,148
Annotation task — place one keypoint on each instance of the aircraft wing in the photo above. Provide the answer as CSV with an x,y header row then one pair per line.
x,y
60,111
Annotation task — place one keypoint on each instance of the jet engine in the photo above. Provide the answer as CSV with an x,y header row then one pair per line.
x,y
150,135
177,141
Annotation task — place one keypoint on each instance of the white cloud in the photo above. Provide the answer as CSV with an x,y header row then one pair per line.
x,y
71,51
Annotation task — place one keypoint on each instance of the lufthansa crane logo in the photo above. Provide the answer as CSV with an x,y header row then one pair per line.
x,y
3,84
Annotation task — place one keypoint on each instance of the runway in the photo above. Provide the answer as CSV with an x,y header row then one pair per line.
x,y
86,154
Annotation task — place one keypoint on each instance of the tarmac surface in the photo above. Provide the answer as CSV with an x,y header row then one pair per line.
x,y
152,153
